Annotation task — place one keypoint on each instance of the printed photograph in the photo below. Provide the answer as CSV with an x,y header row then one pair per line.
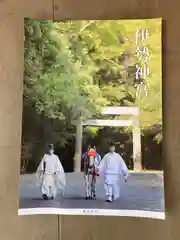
x,y
92,129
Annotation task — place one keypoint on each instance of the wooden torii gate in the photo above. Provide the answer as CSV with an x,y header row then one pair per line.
x,y
133,121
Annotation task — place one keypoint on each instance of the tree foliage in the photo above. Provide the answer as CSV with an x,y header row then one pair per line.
x,y
75,68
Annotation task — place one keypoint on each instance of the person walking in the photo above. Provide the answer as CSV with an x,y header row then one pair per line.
x,y
51,174
110,168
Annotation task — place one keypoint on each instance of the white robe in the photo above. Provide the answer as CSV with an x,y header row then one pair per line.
x,y
53,178
111,167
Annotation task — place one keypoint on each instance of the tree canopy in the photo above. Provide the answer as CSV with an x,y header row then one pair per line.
x,y
76,68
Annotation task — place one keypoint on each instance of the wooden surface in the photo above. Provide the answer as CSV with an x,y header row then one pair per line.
x,y
13,227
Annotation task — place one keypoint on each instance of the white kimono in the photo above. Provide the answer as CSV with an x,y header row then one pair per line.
x,y
52,177
110,168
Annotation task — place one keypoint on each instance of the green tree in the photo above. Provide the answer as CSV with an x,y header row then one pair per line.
x,y
75,68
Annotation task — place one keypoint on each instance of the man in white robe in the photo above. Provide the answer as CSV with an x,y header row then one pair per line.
x,y
111,167
51,174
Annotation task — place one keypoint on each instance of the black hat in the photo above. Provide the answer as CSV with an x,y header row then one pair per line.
x,y
50,147
111,144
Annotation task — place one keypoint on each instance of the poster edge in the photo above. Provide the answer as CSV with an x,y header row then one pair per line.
x,y
92,212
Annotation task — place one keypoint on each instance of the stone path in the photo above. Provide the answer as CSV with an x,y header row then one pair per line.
x,y
143,191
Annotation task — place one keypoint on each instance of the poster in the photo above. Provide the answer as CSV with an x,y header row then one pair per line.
x,y
92,118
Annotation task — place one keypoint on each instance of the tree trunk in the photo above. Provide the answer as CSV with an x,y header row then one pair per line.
x,y
137,145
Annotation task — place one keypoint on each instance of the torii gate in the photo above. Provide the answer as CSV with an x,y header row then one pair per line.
x,y
133,121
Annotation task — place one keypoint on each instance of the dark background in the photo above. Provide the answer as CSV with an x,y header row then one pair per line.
x,y
35,141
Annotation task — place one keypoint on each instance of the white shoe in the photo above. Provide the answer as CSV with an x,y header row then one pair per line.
x,y
109,199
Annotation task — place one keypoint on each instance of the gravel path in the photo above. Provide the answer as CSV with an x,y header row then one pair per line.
x,y
143,191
